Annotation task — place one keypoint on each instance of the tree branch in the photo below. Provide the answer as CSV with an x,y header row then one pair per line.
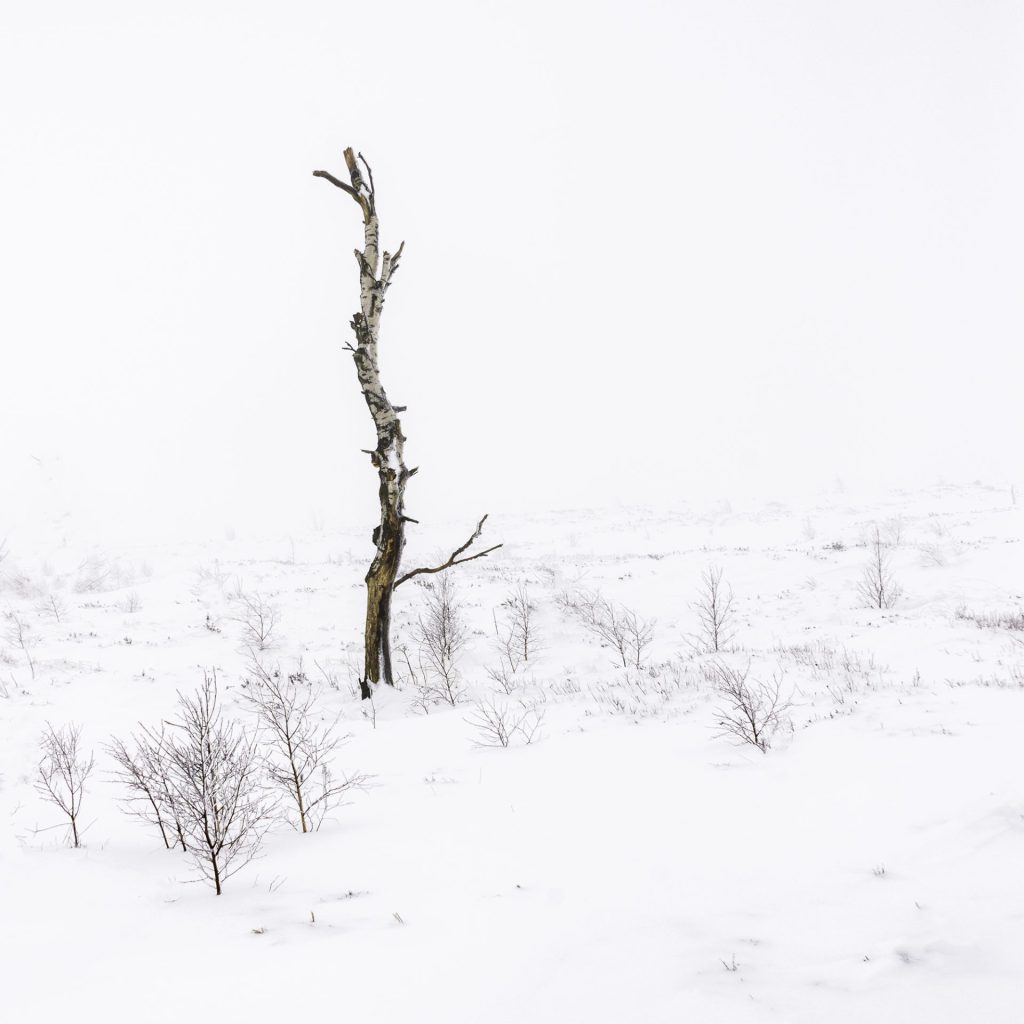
x,y
338,183
453,558
358,190
373,188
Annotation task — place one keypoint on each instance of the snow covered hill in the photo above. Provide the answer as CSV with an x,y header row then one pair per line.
x,y
624,857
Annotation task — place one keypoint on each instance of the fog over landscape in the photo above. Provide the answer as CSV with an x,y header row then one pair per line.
x,y
654,252
682,683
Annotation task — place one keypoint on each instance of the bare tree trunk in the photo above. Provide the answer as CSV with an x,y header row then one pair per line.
x,y
375,273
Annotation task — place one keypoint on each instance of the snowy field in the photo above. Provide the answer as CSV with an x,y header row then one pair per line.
x,y
631,862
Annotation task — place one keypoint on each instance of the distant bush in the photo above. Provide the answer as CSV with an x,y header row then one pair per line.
x,y
878,587
614,625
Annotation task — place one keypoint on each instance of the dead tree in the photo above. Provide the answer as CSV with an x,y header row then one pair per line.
x,y
376,270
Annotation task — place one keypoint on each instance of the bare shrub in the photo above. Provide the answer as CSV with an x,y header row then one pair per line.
x,y
259,619
894,531
94,574
145,773
504,677
752,711
64,770
22,584
300,744
516,636
210,575
441,635
933,555
131,603
714,611
53,606
18,634
878,588
411,672
215,776
614,625
498,723
515,639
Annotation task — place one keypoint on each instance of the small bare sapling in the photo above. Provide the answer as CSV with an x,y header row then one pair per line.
x,y
752,711
95,574
614,625
878,588
894,531
441,635
516,634
498,723
217,787
18,635
259,619
300,746
714,611
64,770
53,605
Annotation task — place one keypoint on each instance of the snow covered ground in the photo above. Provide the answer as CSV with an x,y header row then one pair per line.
x,y
630,863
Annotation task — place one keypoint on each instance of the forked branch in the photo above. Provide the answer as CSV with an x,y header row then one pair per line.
x,y
453,558
362,193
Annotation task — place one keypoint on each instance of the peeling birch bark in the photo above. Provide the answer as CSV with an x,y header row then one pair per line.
x,y
375,273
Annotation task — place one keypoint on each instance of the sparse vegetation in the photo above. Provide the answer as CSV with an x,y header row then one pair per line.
x,y
1012,620
614,625
205,775
714,612
299,746
751,711
516,633
258,619
440,635
878,587
499,723
64,769
18,634
144,771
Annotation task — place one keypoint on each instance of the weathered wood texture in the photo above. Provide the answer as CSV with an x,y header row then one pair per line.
x,y
376,270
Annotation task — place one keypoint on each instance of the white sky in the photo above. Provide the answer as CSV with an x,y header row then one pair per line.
x,y
654,252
